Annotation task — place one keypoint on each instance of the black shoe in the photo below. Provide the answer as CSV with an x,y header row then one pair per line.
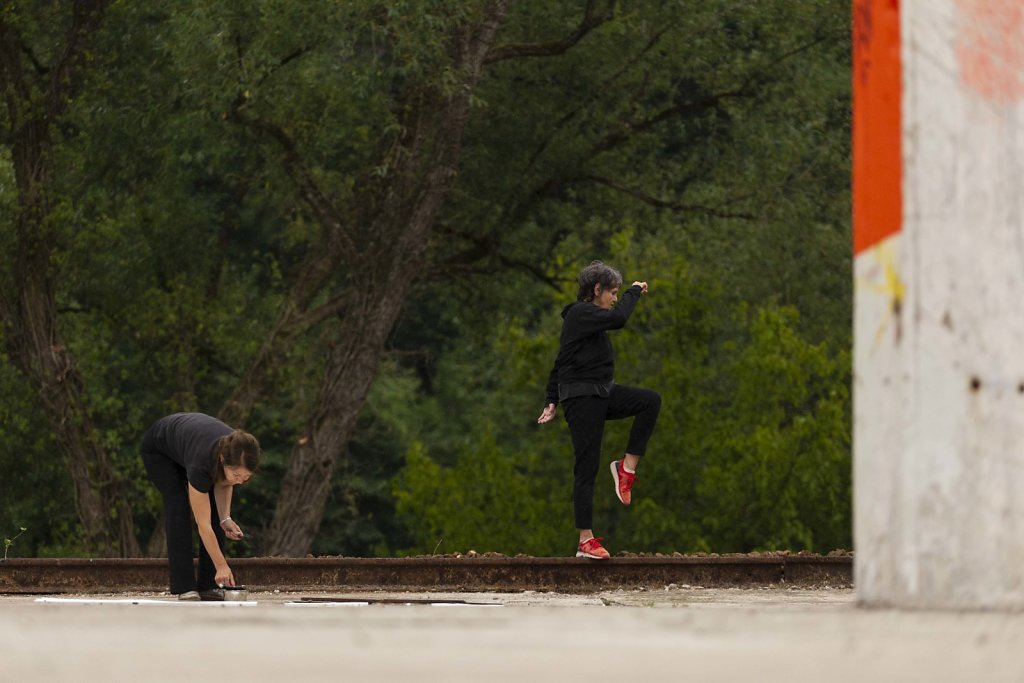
x,y
190,596
212,595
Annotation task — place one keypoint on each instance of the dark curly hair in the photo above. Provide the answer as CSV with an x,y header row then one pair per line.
x,y
594,274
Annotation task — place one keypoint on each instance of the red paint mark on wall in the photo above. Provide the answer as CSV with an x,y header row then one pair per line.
x,y
877,129
990,48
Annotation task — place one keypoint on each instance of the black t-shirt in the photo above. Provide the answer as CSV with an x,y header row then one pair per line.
x,y
188,439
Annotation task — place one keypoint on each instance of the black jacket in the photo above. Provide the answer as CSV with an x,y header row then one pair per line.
x,y
586,362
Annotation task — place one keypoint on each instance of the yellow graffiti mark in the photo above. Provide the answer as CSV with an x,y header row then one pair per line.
x,y
890,286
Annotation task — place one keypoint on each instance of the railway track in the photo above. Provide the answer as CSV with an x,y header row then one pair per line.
x,y
448,573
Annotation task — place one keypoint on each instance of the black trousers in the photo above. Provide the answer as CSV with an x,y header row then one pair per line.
x,y
586,416
170,479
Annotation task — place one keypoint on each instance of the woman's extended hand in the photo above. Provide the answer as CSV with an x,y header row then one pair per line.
x,y
548,415
224,576
232,530
643,287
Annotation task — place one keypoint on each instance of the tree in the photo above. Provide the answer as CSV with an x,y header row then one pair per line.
x,y
272,211
751,452
381,251
384,210
41,70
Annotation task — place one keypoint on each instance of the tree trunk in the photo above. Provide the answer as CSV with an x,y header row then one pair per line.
x,y
28,310
399,237
351,369
35,344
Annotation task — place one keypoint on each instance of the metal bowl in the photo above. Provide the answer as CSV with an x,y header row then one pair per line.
x,y
236,593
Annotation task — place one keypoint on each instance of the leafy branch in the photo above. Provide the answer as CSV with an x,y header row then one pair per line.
x,y
8,542
591,20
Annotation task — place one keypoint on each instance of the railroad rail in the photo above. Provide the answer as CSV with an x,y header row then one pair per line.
x,y
447,573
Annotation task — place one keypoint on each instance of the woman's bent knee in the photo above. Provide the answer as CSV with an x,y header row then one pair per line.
x,y
653,401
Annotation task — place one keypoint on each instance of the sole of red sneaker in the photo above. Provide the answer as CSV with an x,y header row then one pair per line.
x,y
580,553
615,478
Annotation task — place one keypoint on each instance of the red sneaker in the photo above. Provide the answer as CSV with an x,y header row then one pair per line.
x,y
593,549
623,481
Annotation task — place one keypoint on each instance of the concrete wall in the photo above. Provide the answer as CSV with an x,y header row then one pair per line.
x,y
939,341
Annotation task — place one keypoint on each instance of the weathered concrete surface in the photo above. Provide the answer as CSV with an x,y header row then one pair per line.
x,y
939,372
669,634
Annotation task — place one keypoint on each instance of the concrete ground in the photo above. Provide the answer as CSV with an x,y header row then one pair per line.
x,y
679,633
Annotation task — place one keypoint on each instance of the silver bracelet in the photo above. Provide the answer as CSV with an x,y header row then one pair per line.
x,y
226,519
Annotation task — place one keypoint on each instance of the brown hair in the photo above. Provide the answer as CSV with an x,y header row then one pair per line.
x,y
237,449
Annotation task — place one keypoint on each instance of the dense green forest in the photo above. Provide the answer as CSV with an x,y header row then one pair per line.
x,y
349,227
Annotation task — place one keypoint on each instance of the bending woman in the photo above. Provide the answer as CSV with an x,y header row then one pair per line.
x,y
582,381
195,461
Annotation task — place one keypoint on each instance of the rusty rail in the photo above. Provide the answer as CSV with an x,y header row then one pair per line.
x,y
101,575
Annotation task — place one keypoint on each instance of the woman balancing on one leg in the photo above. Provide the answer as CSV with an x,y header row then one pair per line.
x,y
582,381
195,461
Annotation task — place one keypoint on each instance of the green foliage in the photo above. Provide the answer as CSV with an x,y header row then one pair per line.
x,y
8,542
751,450
702,147
35,491
490,501
784,459
736,212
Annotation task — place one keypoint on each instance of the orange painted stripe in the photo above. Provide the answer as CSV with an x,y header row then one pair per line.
x,y
877,130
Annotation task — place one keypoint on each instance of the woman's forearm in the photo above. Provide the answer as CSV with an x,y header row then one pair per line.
x,y
204,513
209,539
222,494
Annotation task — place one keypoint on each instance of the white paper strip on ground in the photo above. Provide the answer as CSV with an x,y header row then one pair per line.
x,y
145,601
